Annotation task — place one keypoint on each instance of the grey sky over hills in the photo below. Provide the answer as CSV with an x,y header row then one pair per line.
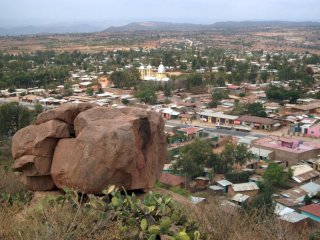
x,y
117,12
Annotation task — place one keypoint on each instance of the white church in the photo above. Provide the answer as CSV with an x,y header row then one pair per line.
x,y
147,74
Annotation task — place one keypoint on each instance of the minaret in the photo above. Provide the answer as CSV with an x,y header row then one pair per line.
x,y
149,70
142,72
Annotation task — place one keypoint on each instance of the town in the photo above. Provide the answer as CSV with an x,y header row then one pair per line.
x,y
242,124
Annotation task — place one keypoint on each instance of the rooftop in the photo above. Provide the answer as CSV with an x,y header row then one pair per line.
x,y
275,142
241,187
210,113
240,197
260,120
293,217
170,179
313,209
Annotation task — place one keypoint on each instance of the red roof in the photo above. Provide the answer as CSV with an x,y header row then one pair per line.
x,y
170,179
190,130
233,87
313,209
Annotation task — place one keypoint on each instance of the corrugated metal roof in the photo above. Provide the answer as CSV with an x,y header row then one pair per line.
x,y
281,210
241,187
240,197
215,188
312,188
313,209
224,183
210,113
293,217
260,152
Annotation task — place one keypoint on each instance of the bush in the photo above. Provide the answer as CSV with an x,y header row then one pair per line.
x,y
238,177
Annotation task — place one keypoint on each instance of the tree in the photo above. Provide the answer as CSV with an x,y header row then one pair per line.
x,y
194,157
231,155
307,200
194,79
146,94
256,109
89,91
274,175
13,117
167,90
38,108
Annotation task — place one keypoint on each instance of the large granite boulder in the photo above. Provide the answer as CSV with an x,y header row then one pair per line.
x,y
90,148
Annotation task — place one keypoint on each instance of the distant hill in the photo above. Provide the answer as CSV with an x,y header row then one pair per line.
x,y
149,26
166,26
156,26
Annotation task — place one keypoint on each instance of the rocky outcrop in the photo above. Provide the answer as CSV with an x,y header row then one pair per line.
x,y
91,147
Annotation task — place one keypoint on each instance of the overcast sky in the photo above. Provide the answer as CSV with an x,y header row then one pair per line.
x,y
116,12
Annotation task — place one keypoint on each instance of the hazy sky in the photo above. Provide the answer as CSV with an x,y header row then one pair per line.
x,y
115,12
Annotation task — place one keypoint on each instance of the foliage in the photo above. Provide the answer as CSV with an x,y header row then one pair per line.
x,y
262,201
238,177
89,91
177,189
307,200
275,175
231,155
153,216
256,109
125,79
315,235
125,101
194,157
14,117
146,93
279,94
194,79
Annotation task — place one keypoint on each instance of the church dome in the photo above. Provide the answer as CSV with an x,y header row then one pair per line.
x,y
161,68
149,66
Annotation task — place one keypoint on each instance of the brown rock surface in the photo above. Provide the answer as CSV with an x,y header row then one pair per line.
x,y
38,183
33,166
66,113
125,147
39,140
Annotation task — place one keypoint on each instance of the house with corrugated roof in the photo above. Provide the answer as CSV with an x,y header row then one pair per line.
x,y
250,189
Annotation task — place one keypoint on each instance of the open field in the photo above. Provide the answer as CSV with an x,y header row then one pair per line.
x,y
299,39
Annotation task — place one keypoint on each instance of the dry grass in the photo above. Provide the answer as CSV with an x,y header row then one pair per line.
x,y
217,225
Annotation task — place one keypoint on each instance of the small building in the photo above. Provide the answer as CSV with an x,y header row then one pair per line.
x,y
312,211
249,188
314,131
191,132
316,165
295,220
224,184
217,117
169,114
234,89
185,117
288,150
262,154
258,122
304,173
172,180
240,198
202,182
216,189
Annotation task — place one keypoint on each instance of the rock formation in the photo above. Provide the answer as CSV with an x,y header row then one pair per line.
x,y
87,148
